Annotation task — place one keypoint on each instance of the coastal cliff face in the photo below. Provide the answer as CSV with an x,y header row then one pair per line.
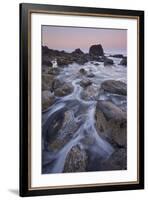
x,y
84,111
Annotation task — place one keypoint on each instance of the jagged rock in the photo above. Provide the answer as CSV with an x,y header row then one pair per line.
x,y
111,123
116,87
76,160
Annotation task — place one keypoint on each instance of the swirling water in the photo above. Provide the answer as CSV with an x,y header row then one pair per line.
x,y
81,112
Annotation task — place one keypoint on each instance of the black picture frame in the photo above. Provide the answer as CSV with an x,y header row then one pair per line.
x,y
25,116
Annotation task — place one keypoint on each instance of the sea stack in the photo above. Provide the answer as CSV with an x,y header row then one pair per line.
x,y
96,50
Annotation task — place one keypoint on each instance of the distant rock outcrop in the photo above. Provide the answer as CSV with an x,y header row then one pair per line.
x,y
96,50
78,51
123,61
108,61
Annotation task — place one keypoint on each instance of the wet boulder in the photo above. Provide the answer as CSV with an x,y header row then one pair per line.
x,y
64,90
111,123
85,83
57,83
90,75
66,132
90,93
76,160
123,62
96,64
108,61
47,99
83,71
117,161
115,87
96,50
47,81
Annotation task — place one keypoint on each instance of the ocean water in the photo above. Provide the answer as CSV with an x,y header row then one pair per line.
x,y
81,113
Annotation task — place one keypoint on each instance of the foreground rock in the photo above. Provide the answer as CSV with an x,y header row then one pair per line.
x,y
76,160
108,61
115,87
85,83
47,99
123,62
111,123
47,81
67,127
117,161
90,93
63,90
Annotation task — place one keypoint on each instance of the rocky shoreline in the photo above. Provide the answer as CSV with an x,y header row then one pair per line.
x,y
110,118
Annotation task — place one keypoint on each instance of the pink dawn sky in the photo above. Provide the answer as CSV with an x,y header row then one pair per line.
x,y
70,38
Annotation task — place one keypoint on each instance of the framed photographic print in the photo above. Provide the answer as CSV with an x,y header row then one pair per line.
x,y
81,99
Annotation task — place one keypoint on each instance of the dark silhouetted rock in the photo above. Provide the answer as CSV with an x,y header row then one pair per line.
x,y
96,50
78,52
